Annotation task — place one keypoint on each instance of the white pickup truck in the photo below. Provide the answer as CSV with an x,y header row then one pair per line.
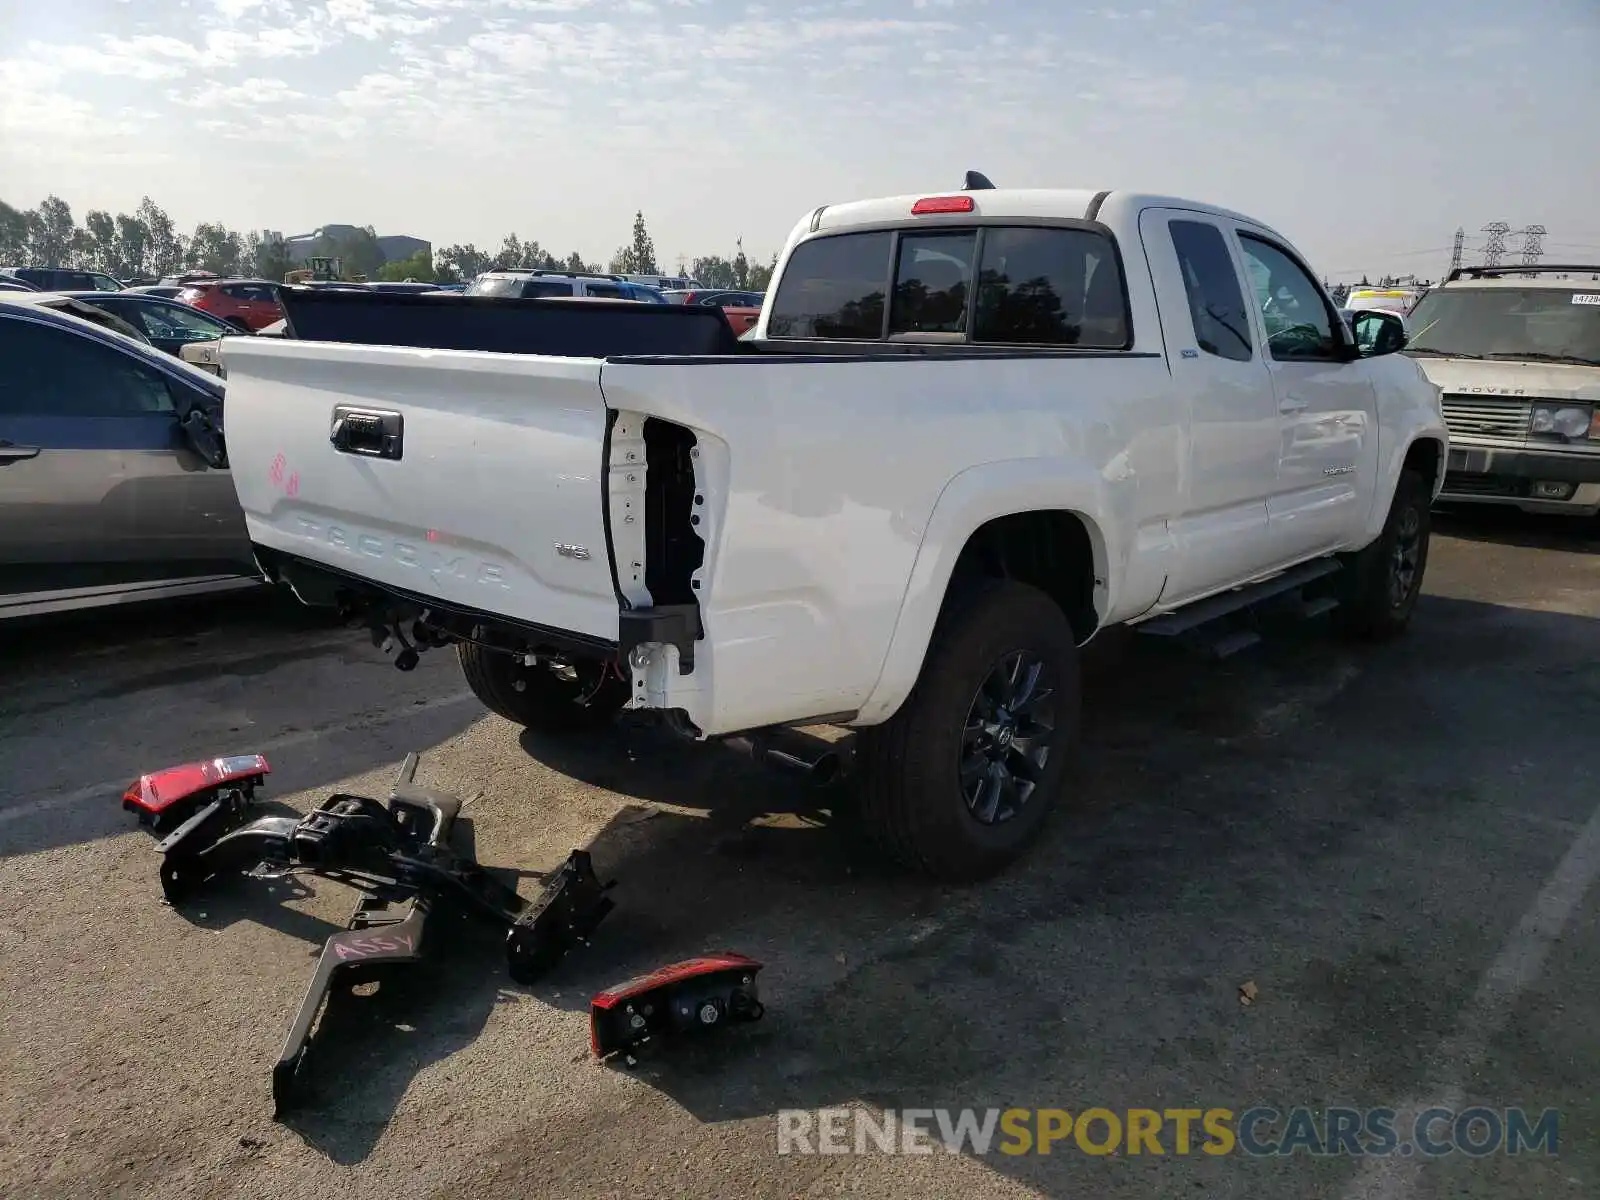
x,y
969,432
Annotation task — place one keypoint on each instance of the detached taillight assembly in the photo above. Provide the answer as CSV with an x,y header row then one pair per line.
x,y
171,795
694,996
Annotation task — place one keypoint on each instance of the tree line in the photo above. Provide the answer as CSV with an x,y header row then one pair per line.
x,y
145,244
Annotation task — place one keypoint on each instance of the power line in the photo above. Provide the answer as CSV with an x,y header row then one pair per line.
x,y
1455,250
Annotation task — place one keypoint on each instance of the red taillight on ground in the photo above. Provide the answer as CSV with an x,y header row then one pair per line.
x,y
153,794
942,204
706,964
695,995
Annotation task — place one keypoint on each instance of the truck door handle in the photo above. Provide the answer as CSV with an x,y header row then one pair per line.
x,y
1291,405
11,452
370,432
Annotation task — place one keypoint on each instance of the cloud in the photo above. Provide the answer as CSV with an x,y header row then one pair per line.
x,y
111,58
364,19
252,93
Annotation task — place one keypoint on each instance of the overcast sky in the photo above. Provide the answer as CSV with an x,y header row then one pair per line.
x,y
1366,132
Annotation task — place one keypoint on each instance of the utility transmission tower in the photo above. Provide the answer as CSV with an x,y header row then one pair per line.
x,y
1533,245
1496,248
1455,250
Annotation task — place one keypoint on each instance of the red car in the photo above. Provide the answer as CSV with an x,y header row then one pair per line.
x,y
742,308
248,303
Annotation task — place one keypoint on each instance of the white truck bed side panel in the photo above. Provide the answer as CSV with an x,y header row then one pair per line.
x,y
502,461
823,479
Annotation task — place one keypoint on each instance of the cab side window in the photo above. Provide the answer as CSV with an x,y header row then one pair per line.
x,y
1298,321
1216,303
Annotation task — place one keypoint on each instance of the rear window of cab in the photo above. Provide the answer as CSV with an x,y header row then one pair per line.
x,y
1027,285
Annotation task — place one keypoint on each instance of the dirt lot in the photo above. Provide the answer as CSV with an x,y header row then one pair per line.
x,y
1396,847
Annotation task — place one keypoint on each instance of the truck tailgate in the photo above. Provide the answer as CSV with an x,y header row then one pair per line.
x,y
470,478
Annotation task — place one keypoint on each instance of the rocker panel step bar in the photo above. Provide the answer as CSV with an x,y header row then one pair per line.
x,y
1196,615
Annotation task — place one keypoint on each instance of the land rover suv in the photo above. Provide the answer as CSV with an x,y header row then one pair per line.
x,y
1515,352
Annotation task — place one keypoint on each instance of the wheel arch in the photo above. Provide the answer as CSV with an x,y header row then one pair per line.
x,y
1029,520
1426,456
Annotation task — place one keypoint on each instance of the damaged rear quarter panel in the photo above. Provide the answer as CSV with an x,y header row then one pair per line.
x,y
820,479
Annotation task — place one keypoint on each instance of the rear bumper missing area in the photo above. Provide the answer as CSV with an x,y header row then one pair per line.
x,y
319,586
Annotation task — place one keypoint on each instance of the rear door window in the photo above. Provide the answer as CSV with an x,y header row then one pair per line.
x,y
1216,302
607,291
834,287
932,282
254,293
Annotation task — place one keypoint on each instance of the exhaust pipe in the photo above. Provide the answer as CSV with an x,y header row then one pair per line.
x,y
796,753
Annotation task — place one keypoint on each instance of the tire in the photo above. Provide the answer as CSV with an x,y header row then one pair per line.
x,y
910,768
1379,586
536,697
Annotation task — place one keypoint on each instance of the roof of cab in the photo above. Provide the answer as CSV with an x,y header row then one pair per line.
x,y
1018,203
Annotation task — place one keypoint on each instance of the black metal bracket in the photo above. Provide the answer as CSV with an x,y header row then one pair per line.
x,y
672,624
571,904
380,934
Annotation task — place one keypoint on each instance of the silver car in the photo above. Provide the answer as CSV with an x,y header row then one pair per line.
x,y
114,485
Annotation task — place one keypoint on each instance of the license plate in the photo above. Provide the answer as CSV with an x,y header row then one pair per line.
x,y
1473,462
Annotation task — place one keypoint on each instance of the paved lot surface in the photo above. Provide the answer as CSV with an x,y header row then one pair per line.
x,y
1396,847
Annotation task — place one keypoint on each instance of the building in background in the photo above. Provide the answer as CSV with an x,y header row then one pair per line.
x,y
302,246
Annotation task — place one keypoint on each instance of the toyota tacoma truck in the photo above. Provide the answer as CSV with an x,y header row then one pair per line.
x,y
1515,351
969,432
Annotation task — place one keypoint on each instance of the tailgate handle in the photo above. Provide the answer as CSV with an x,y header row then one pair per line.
x,y
372,432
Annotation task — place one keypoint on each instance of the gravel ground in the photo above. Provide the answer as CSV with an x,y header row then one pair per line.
x,y
1394,846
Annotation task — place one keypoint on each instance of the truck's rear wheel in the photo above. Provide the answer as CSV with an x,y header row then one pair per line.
x,y
960,780
1379,586
551,697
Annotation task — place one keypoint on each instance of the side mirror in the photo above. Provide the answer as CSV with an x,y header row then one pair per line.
x,y
1378,332
199,418
205,438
